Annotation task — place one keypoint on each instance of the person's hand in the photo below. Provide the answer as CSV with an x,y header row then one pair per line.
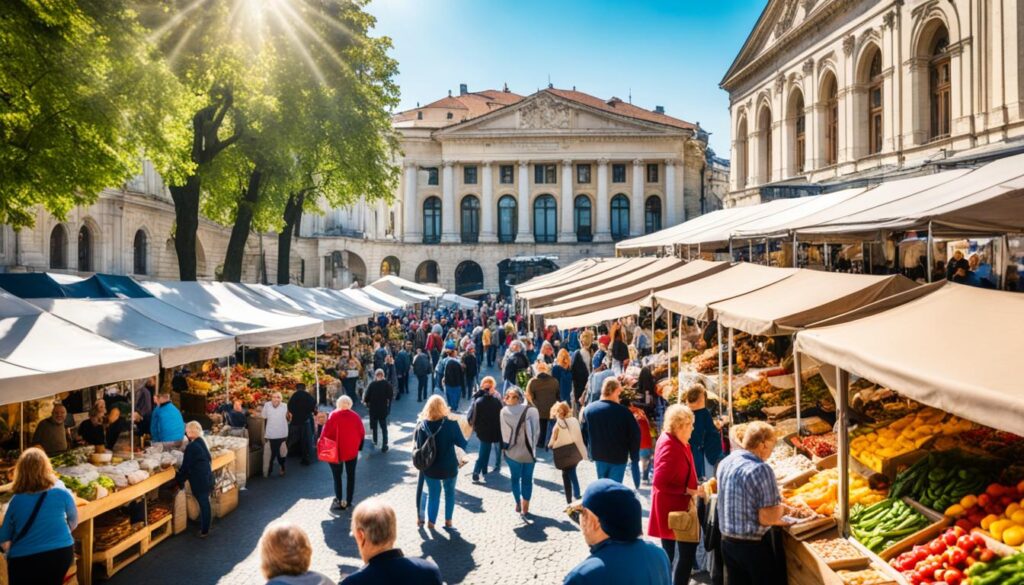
x,y
701,493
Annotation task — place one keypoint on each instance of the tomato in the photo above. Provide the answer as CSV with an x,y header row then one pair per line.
x,y
937,546
953,577
959,531
979,540
965,524
986,556
957,556
949,537
966,542
984,500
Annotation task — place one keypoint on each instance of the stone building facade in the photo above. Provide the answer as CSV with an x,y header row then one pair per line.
x,y
494,187
825,92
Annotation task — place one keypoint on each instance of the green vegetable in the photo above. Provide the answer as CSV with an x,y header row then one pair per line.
x,y
106,482
881,525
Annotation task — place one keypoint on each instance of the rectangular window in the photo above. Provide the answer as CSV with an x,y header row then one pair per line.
x,y
544,174
469,175
507,174
652,173
582,173
431,175
618,173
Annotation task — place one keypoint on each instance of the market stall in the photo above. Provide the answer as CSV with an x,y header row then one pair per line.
x,y
575,269
336,318
627,273
416,287
602,270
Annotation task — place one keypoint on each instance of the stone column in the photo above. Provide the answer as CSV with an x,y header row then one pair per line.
x,y
671,216
383,211
448,204
566,233
636,205
487,208
603,233
523,204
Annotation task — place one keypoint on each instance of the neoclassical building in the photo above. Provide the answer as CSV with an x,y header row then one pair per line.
x,y
825,93
495,187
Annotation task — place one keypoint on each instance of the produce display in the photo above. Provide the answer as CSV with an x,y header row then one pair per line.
x,y
882,525
945,559
882,404
821,492
820,446
940,480
864,577
999,510
157,511
905,435
707,361
833,550
990,440
253,386
787,463
1004,571
751,355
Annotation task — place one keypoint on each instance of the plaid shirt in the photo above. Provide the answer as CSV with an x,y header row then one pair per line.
x,y
745,485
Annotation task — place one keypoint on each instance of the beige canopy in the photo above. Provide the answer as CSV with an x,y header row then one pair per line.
x,y
806,297
950,346
617,302
556,276
601,273
627,278
694,299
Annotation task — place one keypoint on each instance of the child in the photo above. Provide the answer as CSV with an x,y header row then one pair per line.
x,y
645,446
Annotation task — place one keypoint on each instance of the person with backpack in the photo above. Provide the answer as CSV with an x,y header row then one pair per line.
x,y
36,531
485,417
520,427
435,439
453,377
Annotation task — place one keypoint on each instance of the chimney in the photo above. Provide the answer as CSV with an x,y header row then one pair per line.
x,y
505,89
463,89
659,109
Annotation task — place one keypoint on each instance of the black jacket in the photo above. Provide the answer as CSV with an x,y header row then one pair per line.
x,y
377,398
514,364
196,468
421,365
485,416
454,376
301,405
471,364
580,374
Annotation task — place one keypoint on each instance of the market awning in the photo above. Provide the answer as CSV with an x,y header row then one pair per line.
x,y
408,296
425,289
631,270
627,301
555,276
385,298
460,301
252,325
777,224
949,345
634,277
118,320
364,300
602,270
694,299
335,319
806,297
669,236
41,355
324,297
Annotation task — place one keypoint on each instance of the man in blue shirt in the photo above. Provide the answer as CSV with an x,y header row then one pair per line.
x,y
167,425
610,520
375,530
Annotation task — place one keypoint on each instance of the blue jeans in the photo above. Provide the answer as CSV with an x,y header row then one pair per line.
x,y
634,469
522,479
434,487
614,471
452,394
483,455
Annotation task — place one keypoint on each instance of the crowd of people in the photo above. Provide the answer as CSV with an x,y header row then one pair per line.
x,y
560,393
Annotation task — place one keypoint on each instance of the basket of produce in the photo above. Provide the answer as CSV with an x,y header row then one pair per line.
x,y
941,480
890,449
821,492
885,528
946,558
869,576
788,464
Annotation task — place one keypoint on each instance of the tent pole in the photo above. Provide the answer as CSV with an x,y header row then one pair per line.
x,y
798,377
750,250
131,421
21,429
319,399
668,341
767,255
928,245
730,375
721,367
730,249
843,383
796,249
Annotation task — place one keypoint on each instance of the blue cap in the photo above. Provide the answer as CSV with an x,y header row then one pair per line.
x,y
616,507
449,345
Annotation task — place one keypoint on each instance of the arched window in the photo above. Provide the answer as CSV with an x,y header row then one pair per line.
x,y
652,214
432,221
874,105
583,219
508,219
84,249
545,228
469,277
799,131
426,272
140,248
939,84
390,265
59,247
764,128
470,210
620,217
830,99
741,153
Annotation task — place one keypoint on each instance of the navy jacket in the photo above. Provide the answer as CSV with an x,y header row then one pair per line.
x,y
421,365
706,441
485,416
612,433
402,362
447,438
196,468
392,567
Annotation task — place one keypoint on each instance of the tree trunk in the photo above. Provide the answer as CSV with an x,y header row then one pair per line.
x,y
186,218
240,230
292,215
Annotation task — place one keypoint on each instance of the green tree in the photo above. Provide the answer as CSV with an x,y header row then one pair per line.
x,y
83,97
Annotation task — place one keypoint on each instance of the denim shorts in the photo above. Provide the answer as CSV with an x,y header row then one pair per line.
x,y
646,453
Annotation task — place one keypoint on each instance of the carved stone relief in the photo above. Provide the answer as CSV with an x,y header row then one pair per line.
x,y
545,113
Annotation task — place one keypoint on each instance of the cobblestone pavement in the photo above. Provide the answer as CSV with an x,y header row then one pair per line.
x,y
490,544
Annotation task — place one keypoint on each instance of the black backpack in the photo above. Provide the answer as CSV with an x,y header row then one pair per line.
x,y
423,455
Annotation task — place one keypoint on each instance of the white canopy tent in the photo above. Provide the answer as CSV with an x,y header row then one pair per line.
x,y
627,272
254,326
625,279
41,354
557,275
359,297
603,269
385,298
318,300
408,285
335,319
694,299
410,297
118,320
459,300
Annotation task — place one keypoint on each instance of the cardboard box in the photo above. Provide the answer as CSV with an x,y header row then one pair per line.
x,y
225,502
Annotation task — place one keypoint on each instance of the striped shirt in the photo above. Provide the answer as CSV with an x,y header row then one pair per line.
x,y
745,485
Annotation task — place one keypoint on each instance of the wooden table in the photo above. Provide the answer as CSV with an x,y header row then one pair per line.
x,y
88,513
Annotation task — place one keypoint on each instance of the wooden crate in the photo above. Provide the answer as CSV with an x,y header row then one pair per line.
x,y
123,553
159,531
938,524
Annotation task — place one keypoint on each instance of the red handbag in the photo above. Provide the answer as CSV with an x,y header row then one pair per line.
x,y
327,450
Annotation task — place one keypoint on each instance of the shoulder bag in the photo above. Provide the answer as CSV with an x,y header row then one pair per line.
x,y
515,434
568,455
685,524
327,449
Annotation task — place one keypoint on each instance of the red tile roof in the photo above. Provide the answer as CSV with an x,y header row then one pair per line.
x,y
617,106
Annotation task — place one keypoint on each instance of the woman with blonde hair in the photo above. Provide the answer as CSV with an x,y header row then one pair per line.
x,y
562,371
285,556
197,470
36,530
440,473
618,347
520,428
567,447
673,487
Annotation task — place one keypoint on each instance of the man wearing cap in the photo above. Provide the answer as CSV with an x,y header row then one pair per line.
x,y
610,520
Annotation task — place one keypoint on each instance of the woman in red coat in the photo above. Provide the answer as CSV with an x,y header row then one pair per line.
x,y
346,429
675,483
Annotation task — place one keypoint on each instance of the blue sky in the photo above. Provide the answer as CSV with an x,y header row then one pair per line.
x,y
665,53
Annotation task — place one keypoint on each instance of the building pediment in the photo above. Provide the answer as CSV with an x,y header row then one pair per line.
x,y
544,113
